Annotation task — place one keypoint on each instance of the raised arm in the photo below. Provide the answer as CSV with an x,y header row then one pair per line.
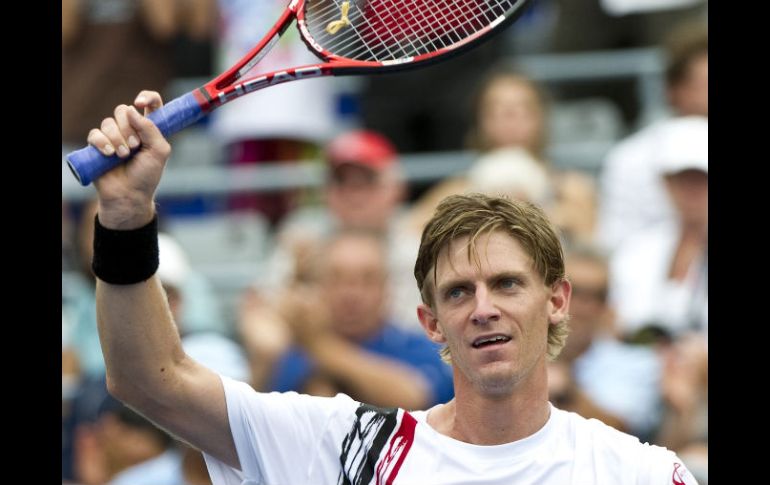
x,y
146,366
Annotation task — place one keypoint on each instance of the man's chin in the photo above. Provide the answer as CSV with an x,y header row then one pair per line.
x,y
497,378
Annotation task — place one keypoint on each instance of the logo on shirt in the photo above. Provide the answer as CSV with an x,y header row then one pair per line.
x,y
679,475
362,459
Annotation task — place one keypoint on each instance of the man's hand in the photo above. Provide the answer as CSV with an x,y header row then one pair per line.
x,y
126,192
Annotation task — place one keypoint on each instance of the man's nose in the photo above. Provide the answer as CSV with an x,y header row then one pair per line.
x,y
485,311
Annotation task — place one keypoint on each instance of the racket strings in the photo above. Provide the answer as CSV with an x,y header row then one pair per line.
x,y
353,45
451,25
392,29
370,36
377,38
367,35
384,30
423,24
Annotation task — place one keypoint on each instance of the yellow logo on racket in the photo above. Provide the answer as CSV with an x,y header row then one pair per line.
x,y
335,26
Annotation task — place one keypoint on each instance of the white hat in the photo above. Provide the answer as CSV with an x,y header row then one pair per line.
x,y
513,172
683,144
219,354
174,266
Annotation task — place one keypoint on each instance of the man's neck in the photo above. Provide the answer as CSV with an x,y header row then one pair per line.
x,y
479,419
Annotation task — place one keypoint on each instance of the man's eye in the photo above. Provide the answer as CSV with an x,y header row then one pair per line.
x,y
455,293
507,283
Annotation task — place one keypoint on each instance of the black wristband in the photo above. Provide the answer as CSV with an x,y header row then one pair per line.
x,y
125,257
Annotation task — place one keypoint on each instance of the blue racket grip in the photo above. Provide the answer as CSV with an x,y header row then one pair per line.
x,y
88,164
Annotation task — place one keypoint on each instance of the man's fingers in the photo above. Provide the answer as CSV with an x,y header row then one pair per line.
x,y
111,130
149,134
99,140
121,118
149,101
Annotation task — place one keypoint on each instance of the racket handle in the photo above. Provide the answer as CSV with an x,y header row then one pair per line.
x,y
88,164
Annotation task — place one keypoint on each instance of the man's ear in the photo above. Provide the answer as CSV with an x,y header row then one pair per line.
x,y
430,324
558,303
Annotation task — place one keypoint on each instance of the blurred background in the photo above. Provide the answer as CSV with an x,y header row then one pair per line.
x,y
597,110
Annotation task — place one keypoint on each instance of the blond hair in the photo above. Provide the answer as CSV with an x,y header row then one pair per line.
x,y
473,215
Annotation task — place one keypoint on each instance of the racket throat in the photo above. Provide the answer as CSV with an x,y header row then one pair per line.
x,y
261,82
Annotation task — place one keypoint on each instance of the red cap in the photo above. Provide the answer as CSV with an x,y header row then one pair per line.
x,y
365,148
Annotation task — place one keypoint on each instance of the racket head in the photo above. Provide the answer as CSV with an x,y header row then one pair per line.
x,y
388,35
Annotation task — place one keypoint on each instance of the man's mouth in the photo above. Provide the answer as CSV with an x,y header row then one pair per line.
x,y
490,341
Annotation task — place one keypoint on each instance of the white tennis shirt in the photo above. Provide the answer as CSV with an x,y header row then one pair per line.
x,y
294,439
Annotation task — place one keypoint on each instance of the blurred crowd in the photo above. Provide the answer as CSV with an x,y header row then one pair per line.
x,y
333,308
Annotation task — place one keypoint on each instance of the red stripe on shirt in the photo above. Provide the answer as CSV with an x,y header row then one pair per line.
x,y
400,443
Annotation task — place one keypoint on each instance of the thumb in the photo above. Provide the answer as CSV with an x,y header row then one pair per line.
x,y
149,134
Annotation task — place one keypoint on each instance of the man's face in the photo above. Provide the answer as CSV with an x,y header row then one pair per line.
x,y
354,285
493,313
361,197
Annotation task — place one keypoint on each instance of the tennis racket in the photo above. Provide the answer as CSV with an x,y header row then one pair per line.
x,y
350,37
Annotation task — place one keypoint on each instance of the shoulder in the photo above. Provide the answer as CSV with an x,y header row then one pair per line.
x,y
610,440
616,451
253,406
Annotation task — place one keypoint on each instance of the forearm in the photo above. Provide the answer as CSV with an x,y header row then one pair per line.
x,y
140,342
374,379
148,370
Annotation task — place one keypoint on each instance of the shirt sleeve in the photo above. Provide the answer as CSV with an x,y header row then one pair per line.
x,y
275,434
668,469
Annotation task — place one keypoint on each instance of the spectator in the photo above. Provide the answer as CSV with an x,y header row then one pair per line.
x,y
659,278
364,189
345,341
632,195
596,375
511,111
